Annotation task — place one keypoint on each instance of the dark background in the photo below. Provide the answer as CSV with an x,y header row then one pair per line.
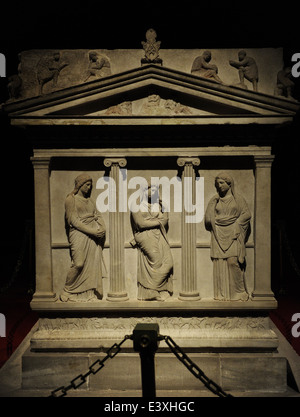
x,y
118,25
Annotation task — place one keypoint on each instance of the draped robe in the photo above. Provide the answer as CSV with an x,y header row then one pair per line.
x,y
228,219
85,274
155,262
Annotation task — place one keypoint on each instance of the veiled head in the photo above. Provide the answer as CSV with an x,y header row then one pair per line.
x,y
80,181
225,176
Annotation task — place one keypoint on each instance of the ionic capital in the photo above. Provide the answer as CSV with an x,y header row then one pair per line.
x,y
182,161
121,162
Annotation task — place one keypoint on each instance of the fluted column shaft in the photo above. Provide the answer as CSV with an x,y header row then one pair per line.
x,y
117,291
189,290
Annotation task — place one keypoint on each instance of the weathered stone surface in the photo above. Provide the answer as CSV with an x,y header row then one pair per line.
x,y
47,371
259,373
248,372
112,93
122,372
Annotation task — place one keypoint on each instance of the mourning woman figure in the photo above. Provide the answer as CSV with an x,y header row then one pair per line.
x,y
227,217
86,234
155,262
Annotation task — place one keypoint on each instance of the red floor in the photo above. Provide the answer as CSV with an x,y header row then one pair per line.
x,y
19,321
288,305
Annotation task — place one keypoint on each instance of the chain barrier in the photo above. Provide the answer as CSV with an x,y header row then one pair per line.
x,y
115,349
194,369
93,369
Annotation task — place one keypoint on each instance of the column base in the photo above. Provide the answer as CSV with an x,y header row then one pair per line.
x,y
262,296
189,296
44,296
122,296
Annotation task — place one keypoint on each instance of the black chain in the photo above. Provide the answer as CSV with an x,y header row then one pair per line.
x,y
193,368
115,349
93,369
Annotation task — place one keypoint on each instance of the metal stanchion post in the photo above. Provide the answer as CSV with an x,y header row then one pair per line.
x,y
145,341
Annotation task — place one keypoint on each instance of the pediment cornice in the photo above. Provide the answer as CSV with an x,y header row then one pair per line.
x,y
198,100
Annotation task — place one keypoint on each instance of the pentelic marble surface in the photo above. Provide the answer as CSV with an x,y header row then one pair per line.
x,y
129,229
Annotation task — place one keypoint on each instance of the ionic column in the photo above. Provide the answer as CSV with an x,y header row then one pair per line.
x,y
43,253
117,290
188,233
262,228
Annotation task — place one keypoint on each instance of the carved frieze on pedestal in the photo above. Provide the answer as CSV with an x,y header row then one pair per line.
x,y
187,329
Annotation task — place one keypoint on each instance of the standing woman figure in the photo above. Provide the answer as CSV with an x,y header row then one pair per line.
x,y
228,217
86,235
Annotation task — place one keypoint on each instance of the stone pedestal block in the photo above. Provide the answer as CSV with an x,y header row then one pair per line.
x,y
45,371
247,372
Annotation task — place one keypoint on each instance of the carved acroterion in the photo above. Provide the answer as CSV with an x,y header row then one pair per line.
x,y
151,48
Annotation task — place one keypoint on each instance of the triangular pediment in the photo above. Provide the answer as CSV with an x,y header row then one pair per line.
x,y
152,94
